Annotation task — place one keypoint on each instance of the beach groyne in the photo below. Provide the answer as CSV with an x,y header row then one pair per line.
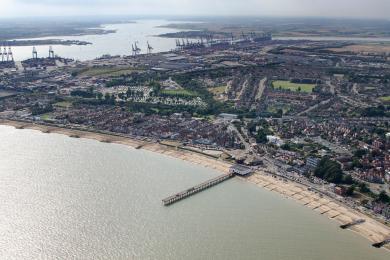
x,y
382,244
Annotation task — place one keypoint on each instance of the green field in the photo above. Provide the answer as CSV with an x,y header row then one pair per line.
x,y
108,72
385,99
47,117
63,104
216,91
179,92
276,107
281,84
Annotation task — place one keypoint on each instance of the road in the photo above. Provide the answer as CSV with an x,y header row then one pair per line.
x,y
354,89
348,100
244,87
332,87
334,147
233,128
314,107
354,103
19,65
278,169
261,89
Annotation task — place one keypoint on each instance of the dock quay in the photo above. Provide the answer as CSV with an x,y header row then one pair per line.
x,y
353,223
381,244
196,189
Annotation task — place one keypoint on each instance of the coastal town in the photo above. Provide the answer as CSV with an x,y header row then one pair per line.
x,y
314,113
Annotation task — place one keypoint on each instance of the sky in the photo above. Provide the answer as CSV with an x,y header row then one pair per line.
x,y
291,8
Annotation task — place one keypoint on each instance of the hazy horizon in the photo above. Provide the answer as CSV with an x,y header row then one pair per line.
x,y
356,9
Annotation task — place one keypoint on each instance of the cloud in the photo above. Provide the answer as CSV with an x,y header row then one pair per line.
x,y
72,2
338,8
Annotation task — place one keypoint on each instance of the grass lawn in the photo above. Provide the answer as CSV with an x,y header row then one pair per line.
x,y
182,92
216,91
275,108
47,117
307,88
63,104
108,72
385,99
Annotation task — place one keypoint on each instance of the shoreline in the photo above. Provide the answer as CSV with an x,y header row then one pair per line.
x,y
372,230
26,43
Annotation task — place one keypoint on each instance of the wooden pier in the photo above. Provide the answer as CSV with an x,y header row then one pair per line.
x,y
198,188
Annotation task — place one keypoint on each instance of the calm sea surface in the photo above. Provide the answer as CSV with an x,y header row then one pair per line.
x,y
64,198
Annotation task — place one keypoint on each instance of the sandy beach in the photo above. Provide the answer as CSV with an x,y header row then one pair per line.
x,y
372,230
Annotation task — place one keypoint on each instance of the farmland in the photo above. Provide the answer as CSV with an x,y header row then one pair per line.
x,y
376,48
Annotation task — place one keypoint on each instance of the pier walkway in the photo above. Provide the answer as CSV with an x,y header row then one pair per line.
x,y
198,188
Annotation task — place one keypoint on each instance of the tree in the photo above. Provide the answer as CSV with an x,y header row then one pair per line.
x,y
99,96
350,191
356,163
82,93
129,92
156,87
329,170
378,111
252,127
286,147
383,197
360,153
112,99
279,113
364,188
348,179
122,96
38,109
261,137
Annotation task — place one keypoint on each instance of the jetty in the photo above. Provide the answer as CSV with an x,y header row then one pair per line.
x,y
353,223
196,189
381,244
235,170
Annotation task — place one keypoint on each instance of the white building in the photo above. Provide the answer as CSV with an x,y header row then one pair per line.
x,y
240,170
274,140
